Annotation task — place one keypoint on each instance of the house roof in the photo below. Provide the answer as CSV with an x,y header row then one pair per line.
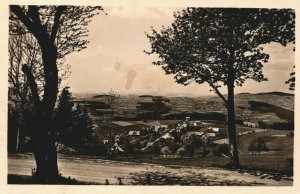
x,y
134,133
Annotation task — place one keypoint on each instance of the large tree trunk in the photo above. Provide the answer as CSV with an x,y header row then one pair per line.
x,y
44,151
42,133
232,127
48,154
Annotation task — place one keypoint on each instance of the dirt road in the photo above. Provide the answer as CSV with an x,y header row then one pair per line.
x,y
97,170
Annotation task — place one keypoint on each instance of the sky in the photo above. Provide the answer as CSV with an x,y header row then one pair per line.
x,y
115,58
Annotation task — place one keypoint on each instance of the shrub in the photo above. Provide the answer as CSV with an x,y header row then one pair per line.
x,y
258,145
166,150
290,134
220,149
155,149
181,151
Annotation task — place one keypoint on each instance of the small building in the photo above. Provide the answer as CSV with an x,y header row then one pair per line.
x,y
221,141
251,124
211,134
197,133
167,136
134,133
214,129
105,141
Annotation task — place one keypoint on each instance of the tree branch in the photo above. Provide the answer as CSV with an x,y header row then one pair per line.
x,y
17,10
33,13
218,93
32,84
56,24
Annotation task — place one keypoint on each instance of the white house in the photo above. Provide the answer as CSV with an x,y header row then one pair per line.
x,y
134,133
211,134
215,129
250,124
105,141
221,141
167,136
197,133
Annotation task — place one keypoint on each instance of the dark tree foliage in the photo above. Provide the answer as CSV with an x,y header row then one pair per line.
x,y
74,126
292,81
258,145
64,115
81,129
20,121
58,31
221,47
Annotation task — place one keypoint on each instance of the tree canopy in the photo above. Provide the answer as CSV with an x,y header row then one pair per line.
x,y
221,47
214,45
65,26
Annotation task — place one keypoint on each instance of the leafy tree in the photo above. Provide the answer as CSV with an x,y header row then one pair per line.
x,y
258,145
58,31
74,127
221,47
20,122
181,151
220,149
166,151
81,129
155,149
23,49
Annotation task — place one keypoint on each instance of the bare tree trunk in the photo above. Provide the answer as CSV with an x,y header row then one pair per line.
x,y
44,151
49,54
42,133
232,127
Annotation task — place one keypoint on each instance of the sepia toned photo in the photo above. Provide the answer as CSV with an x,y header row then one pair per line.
x,y
115,95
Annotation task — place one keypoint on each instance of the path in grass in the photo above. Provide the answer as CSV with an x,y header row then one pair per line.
x,y
97,170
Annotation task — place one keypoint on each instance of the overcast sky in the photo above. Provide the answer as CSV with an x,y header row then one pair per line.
x,y
115,58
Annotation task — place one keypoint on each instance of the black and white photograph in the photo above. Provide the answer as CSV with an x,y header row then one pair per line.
x,y
132,94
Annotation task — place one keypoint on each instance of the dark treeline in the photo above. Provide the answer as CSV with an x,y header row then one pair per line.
x,y
73,127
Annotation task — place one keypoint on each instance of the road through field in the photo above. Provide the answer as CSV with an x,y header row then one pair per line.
x,y
97,170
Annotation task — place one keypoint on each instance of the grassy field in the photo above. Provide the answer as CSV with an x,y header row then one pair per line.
x,y
255,162
278,158
276,140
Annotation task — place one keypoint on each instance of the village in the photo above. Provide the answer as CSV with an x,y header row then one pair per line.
x,y
171,129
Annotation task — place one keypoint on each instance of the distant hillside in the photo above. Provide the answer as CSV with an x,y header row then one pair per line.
x,y
276,93
284,100
282,112
181,105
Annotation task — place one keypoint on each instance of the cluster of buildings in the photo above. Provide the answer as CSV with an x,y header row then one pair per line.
x,y
166,132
